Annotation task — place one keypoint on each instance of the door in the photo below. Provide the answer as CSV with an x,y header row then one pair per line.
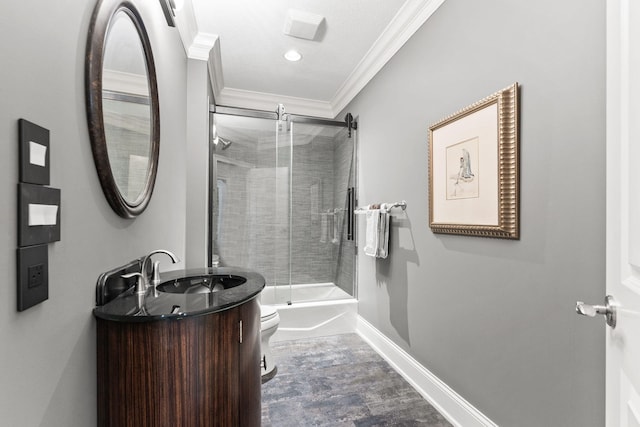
x,y
276,176
323,245
250,195
280,192
623,211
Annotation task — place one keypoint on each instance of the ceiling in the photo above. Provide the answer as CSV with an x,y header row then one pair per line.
x,y
244,43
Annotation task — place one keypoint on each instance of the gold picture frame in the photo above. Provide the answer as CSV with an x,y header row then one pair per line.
x,y
474,185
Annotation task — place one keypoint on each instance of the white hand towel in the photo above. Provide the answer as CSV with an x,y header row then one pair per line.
x,y
371,234
383,234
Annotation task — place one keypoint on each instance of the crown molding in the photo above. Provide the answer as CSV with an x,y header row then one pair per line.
x,y
187,25
197,45
411,16
201,46
128,83
267,102
215,70
407,21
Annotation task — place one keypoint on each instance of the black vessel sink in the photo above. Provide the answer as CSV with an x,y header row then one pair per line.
x,y
201,284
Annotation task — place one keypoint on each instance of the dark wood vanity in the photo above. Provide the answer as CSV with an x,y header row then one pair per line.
x,y
195,368
197,371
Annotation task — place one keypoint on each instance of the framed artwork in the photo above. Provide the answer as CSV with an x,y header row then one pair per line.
x,y
473,169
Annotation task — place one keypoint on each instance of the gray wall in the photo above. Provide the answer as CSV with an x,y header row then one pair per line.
x,y
47,353
495,319
312,259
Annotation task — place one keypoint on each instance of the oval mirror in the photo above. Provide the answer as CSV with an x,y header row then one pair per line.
x,y
122,106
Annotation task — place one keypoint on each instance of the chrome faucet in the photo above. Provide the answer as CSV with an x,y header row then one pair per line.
x,y
140,292
140,286
155,271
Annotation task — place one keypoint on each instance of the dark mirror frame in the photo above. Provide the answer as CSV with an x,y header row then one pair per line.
x,y
102,15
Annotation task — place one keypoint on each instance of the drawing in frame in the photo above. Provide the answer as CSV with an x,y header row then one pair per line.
x,y
473,169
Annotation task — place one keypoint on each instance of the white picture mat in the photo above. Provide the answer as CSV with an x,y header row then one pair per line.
x,y
483,210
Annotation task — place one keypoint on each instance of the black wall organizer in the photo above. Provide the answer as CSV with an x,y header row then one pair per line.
x,y
33,276
34,153
38,215
37,227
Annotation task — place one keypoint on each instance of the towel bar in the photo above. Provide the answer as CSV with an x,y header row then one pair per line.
x,y
389,206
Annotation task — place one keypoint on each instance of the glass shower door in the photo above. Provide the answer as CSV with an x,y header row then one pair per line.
x,y
281,195
282,201
323,240
250,210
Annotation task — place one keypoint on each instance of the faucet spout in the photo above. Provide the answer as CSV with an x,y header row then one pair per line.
x,y
155,274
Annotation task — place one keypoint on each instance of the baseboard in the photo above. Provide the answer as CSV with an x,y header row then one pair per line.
x,y
450,404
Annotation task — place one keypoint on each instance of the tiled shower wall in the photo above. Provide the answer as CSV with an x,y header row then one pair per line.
x,y
286,232
313,183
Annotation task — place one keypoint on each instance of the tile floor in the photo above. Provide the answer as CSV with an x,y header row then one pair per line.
x,y
340,381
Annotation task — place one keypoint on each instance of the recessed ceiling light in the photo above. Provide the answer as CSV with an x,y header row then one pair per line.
x,y
293,56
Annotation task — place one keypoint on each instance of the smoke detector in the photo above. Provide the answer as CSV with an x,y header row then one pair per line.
x,y
303,25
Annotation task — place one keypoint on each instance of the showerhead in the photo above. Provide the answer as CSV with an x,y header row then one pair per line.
x,y
225,142
218,139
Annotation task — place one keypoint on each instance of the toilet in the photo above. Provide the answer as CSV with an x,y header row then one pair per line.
x,y
269,320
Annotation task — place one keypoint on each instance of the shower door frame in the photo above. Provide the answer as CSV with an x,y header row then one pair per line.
x,y
349,123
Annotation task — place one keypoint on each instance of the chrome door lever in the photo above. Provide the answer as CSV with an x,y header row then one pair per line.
x,y
608,310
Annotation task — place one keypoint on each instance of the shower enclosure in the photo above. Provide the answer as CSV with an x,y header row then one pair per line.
x,y
282,199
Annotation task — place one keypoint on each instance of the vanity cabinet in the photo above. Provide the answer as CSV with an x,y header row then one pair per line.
x,y
192,371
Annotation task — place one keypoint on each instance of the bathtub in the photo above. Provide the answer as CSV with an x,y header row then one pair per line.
x,y
316,310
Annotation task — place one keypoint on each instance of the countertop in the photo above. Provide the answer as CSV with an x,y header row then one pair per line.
x,y
156,305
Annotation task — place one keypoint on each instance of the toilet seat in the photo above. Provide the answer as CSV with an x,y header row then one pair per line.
x,y
267,311
269,317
